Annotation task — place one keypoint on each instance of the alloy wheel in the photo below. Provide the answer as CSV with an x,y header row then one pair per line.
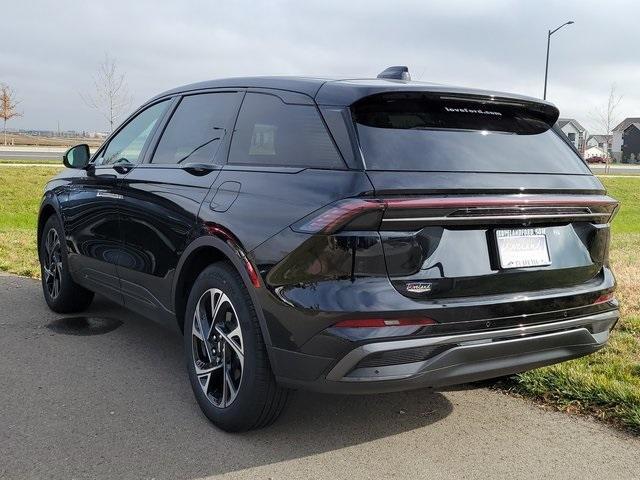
x,y
52,263
218,348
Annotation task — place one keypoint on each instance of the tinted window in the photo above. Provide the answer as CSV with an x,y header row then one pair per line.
x,y
270,132
426,133
128,143
197,128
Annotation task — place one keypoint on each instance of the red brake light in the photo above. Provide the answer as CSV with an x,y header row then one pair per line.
x,y
384,322
607,297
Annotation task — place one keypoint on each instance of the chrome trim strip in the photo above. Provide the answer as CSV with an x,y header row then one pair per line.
x,y
354,356
497,217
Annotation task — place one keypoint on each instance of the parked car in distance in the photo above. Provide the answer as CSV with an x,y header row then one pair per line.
x,y
596,159
344,236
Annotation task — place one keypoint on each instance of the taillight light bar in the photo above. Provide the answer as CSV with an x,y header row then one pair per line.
x,y
521,200
384,322
341,214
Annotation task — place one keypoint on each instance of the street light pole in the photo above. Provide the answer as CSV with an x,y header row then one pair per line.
x,y
546,67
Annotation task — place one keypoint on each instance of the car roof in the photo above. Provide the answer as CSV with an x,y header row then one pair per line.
x,y
339,91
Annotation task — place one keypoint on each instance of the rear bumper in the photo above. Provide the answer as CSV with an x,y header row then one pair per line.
x,y
463,358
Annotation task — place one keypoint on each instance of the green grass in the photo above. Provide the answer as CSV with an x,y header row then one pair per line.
x,y
605,384
20,194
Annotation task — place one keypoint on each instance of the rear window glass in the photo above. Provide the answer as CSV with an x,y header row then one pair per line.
x,y
427,132
197,128
271,133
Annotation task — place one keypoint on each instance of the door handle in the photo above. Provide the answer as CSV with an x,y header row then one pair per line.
x,y
123,167
199,169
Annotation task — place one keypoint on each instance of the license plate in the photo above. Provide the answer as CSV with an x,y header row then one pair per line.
x,y
522,247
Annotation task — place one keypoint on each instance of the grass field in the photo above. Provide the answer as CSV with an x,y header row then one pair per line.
x,y
605,384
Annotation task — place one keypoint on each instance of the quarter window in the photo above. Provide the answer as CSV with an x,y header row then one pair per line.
x,y
197,129
128,143
271,133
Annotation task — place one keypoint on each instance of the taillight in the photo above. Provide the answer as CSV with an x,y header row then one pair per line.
x,y
607,297
338,215
367,213
383,322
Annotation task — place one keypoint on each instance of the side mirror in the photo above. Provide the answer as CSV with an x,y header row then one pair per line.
x,y
77,157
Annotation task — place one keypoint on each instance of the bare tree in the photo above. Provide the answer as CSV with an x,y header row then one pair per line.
x,y
606,118
8,104
111,96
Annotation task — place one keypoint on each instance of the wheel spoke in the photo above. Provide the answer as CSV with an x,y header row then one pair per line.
x,y
49,243
47,273
235,333
203,337
236,348
225,388
59,269
197,325
208,370
231,389
216,303
204,382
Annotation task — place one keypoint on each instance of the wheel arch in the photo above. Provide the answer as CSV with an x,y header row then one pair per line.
x,y
201,253
48,208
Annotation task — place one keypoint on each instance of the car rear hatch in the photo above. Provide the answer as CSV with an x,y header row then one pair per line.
x,y
480,196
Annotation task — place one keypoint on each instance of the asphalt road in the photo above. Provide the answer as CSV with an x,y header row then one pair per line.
x,y
35,154
618,169
118,405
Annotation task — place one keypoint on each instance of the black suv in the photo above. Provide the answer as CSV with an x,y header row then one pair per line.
x,y
347,236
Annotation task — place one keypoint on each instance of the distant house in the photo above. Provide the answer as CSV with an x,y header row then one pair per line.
x,y
603,142
594,151
575,132
616,141
631,143
598,146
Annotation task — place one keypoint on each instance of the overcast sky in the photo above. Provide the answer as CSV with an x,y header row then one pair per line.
x,y
50,50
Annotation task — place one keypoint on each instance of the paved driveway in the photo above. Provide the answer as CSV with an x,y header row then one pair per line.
x,y
118,405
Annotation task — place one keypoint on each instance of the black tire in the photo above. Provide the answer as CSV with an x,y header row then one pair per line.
x,y
259,400
67,296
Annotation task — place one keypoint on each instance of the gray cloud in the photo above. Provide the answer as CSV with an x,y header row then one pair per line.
x,y
55,47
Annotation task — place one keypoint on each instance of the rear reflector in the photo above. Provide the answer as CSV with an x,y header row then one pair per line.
x,y
384,322
607,297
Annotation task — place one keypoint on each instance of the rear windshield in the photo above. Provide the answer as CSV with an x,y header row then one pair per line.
x,y
427,132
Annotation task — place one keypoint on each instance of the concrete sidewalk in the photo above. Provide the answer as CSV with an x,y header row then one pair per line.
x,y
118,405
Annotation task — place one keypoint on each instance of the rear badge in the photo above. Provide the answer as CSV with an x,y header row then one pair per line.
x,y
419,287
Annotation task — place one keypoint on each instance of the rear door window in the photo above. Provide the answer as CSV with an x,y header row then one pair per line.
x,y
270,132
197,129
427,132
